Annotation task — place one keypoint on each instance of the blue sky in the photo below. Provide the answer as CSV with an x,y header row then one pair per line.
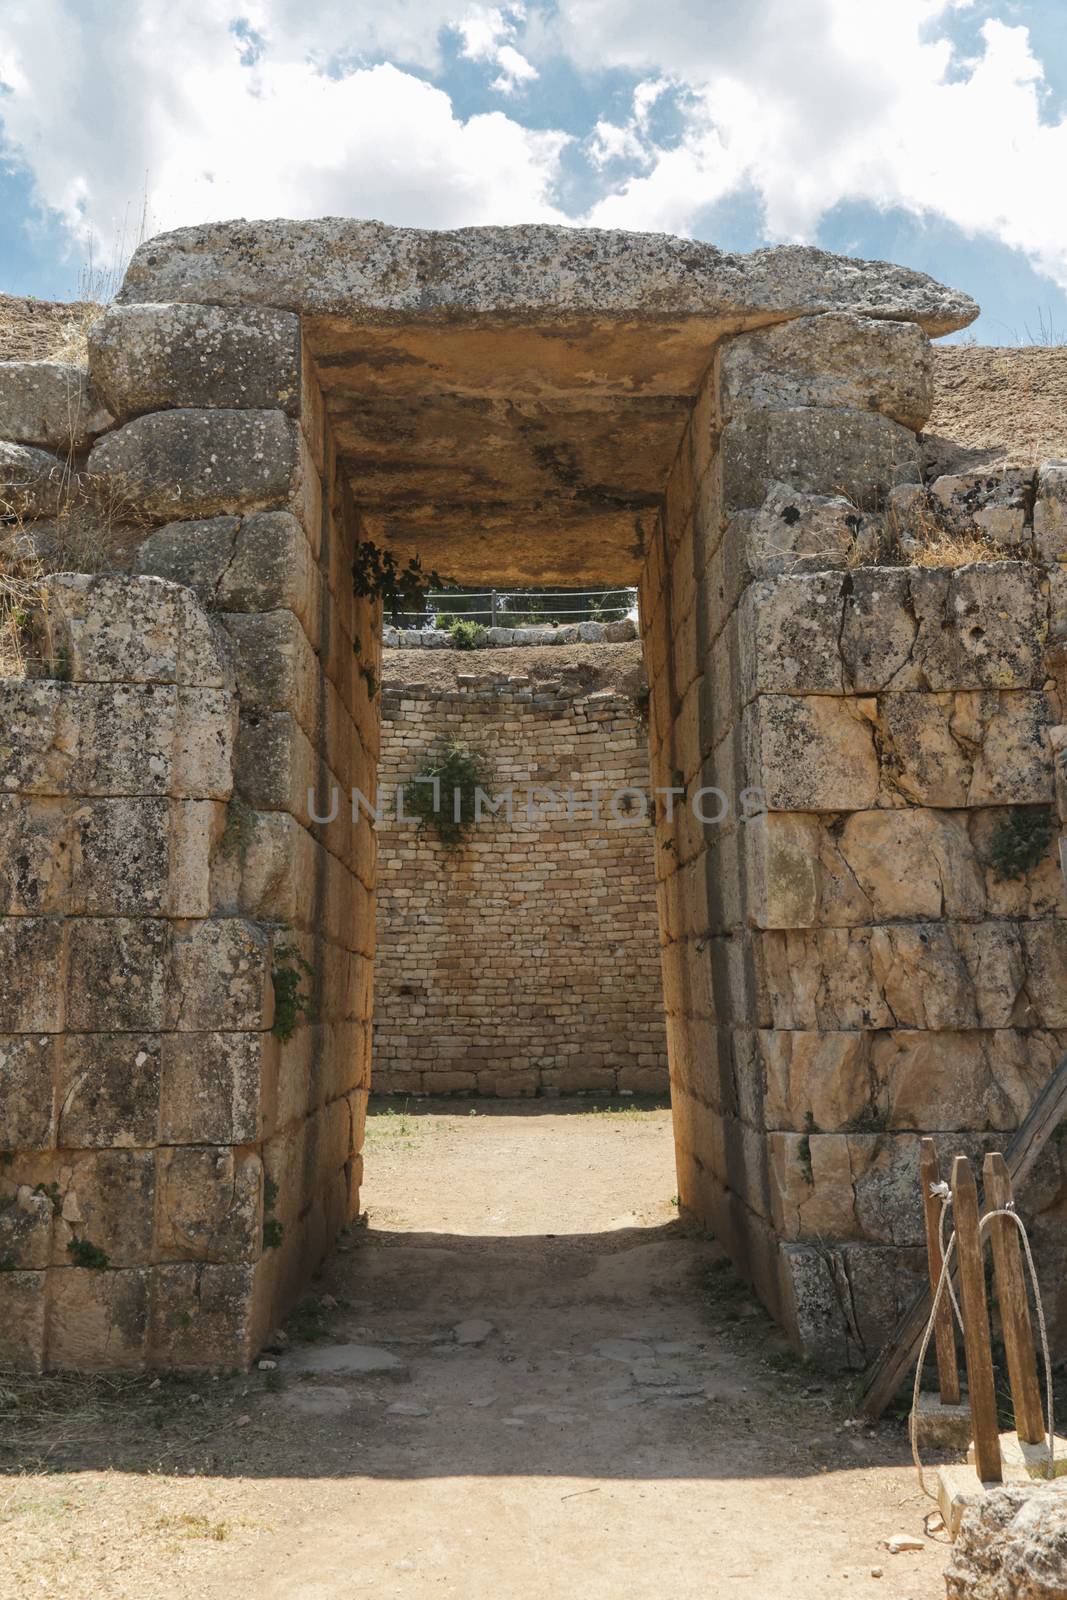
x,y
930,132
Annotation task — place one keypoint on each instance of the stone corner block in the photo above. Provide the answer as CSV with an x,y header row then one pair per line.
x,y
147,358
198,462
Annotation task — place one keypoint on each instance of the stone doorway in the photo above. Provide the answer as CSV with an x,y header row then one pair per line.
x,y
511,406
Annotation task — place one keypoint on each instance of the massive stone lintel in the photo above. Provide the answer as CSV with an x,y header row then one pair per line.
x,y
370,272
507,402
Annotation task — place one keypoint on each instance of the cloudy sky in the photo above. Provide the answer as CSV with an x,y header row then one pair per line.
x,y
931,132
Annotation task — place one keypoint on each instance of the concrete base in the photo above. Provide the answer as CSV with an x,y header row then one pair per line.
x,y
1030,1460
941,1427
958,1488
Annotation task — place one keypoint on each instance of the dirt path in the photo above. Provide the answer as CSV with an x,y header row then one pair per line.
x,y
584,1402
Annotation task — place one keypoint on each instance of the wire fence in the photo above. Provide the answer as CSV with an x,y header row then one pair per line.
x,y
522,607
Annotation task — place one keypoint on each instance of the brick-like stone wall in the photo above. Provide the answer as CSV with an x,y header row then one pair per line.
x,y
852,969
526,961
186,977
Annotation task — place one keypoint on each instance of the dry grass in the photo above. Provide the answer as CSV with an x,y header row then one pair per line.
x,y
97,528
70,337
921,536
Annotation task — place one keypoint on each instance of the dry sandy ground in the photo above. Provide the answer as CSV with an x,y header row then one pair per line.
x,y
544,1459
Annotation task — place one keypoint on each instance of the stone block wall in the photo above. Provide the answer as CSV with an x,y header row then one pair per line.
x,y
185,989
527,961
854,967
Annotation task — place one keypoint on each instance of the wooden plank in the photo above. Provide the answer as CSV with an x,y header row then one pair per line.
x,y
977,1345
1014,1306
948,1372
887,1373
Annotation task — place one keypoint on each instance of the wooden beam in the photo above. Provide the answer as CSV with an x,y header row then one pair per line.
x,y
886,1374
948,1372
1014,1306
977,1345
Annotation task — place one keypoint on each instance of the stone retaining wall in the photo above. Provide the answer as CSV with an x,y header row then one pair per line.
x,y
856,967
185,986
527,961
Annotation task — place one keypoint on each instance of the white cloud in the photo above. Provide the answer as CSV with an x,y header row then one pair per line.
x,y
831,101
303,107
228,125
487,32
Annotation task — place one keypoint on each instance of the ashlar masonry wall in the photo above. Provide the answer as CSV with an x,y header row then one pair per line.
x,y
187,957
853,968
525,961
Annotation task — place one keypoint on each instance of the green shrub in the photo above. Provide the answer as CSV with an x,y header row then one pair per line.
x,y
460,771
467,635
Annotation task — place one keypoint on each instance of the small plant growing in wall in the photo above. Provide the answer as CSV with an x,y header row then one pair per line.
x,y
376,575
85,1254
287,973
447,799
1020,841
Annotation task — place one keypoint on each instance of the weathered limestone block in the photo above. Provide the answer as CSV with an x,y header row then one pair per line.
x,y
152,357
122,857
277,670
201,463
888,864
22,1308
851,1186
210,1204
812,753
117,974
205,728
997,500
815,1292
940,976
97,1319
1012,1545
841,1300
85,739
26,1220
118,857
28,1072
273,569
813,1080
782,869
215,1087
1050,512
49,404
203,1317
857,454
108,1091
194,553
791,532
117,629
981,1080
970,749
34,855
975,627
789,631
220,977
32,482
31,975
836,359
107,1199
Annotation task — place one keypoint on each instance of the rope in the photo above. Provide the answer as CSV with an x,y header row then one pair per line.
x,y
942,1191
